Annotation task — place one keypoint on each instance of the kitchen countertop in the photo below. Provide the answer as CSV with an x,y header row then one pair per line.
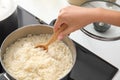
x,y
48,10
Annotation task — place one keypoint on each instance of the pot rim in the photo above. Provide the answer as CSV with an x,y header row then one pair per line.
x,y
33,25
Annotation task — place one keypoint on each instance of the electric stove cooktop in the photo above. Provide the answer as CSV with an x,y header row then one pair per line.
x,y
88,66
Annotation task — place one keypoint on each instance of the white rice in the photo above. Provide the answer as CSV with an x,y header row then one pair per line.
x,y
25,62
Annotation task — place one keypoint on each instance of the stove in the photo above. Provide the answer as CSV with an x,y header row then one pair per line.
x,y
88,66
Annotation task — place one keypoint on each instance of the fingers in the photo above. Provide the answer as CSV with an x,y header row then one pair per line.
x,y
60,20
57,25
66,32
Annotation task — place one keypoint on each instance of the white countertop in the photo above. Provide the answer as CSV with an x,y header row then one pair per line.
x,y
47,10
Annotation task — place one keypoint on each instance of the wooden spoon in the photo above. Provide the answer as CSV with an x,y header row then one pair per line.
x,y
53,38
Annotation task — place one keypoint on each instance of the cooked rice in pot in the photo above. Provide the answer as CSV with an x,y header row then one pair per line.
x,y
25,62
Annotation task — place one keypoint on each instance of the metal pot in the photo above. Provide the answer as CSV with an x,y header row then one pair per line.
x,y
8,18
32,29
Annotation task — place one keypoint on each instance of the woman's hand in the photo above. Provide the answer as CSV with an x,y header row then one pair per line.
x,y
75,18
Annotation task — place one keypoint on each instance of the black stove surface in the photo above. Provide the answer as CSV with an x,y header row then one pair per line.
x,y
88,66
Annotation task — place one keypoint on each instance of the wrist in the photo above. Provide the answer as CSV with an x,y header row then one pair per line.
x,y
97,14
94,15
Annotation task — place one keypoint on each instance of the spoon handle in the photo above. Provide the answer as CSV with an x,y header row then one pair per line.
x,y
55,34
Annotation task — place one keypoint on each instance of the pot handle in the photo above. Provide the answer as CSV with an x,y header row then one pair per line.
x,y
3,76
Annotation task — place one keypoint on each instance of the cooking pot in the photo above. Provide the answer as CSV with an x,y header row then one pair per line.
x,y
8,18
32,29
81,2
